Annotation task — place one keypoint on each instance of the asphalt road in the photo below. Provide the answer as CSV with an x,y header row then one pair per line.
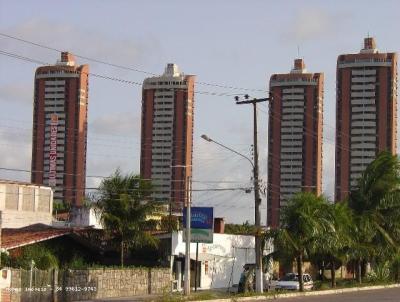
x,y
379,295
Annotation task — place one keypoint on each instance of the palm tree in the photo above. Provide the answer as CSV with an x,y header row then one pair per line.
x,y
331,247
375,201
303,221
124,206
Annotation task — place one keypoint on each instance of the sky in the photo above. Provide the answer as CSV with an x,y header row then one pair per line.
x,y
227,43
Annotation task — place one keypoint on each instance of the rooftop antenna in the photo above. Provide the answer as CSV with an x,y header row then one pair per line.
x,y
298,51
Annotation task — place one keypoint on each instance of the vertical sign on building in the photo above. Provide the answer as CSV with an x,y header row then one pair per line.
x,y
53,150
202,224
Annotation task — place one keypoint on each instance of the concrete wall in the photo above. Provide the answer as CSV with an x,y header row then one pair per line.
x,y
78,285
25,204
85,217
116,283
19,219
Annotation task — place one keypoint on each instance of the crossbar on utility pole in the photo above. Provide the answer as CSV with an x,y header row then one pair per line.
x,y
257,199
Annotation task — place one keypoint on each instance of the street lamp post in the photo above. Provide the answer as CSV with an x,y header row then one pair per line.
x,y
257,200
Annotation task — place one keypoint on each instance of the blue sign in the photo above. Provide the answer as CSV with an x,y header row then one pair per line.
x,y
202,218
201,226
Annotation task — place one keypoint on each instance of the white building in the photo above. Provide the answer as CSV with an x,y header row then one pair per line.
x,y
220,263
23,204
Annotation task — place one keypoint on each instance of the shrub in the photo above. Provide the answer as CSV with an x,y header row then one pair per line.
x,y
380,273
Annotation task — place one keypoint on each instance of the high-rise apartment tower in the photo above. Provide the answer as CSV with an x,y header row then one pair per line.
x,y
60,129
295,137
366,112
167,136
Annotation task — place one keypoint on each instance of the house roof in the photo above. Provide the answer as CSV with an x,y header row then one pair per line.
x,y
13,238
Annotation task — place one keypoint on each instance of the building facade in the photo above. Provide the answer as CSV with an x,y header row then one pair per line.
x,y
220,264
23,204
60,129
295,137
167,136
366,112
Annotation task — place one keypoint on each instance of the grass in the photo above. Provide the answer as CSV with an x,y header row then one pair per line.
x,y
202,295
347,283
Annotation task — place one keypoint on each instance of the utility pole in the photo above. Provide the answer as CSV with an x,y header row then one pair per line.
x,y
257,199
188,239
188,199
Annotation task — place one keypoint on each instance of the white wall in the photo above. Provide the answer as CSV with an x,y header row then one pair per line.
x,y
224,258
85,217
12,211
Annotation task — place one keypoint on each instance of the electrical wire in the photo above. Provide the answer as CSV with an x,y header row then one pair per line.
x,y
122,66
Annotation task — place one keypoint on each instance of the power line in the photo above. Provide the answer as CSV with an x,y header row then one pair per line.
x,y
105,77
105,177
122,66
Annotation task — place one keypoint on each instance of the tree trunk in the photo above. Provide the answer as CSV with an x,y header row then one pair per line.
x,y
333,274
359,276
322,275
300,271
122,253
364,268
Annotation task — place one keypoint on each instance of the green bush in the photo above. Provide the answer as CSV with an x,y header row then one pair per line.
x,y
77,263
319,285
42,257
5,259
46,261
380,273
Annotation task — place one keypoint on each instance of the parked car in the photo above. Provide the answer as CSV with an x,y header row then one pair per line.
x,y
291,282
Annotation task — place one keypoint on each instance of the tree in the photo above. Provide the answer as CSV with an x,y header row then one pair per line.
x,y
375,201
169,223
42,257
240,229
331,246
125,209
303,221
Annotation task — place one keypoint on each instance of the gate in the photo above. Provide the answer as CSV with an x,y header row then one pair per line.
x,y
36,285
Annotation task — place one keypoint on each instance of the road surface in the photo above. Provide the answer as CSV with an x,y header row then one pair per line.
x,y
378,295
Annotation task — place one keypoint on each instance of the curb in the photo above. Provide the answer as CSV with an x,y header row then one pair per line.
x,y
305,294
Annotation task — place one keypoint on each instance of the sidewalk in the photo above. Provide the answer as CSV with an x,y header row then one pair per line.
x,y
270,296
125,299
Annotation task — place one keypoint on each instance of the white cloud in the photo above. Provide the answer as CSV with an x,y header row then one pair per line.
x,y
15,150
312,23
119,123
16,92
68,37
328,162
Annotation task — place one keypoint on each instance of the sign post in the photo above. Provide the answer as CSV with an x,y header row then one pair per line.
x,y
201,229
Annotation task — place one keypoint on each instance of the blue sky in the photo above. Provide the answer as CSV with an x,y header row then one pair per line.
x,y
233,43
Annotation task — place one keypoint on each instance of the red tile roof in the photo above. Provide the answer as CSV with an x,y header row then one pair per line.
x,y
13,238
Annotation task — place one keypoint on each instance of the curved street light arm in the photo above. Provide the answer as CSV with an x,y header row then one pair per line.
x,y
205,137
